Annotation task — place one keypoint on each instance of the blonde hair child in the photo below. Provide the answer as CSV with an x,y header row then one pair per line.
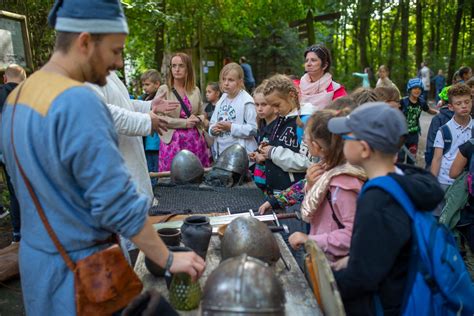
x,y
234,120
286,156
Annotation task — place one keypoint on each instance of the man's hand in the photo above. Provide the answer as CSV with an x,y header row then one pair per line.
x,y
160,105
297,239
188,262
158,123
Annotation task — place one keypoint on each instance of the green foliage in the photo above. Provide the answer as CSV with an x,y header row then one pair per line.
x,y
259,30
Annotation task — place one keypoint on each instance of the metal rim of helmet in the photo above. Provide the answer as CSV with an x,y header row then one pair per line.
x,y
234,158
211,308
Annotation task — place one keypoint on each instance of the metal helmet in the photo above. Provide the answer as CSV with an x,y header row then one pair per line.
x,y
186,168
234,159
243,286
251,236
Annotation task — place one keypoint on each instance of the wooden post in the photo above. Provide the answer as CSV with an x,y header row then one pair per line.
x,y
310,28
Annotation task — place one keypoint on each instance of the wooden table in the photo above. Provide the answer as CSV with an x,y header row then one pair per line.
x,y
299,297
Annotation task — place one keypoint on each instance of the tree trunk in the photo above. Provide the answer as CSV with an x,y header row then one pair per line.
x,y
364,18
438,28
392,39
471,36
344,43
419,34
404,7
379,44
431,41
454,43
354,43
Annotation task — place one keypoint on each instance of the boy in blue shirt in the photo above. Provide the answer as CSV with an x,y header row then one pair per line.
x,y
151,81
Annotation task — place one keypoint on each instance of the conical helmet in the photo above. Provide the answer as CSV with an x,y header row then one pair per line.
x,y
186,168
251,236
243,286
234,159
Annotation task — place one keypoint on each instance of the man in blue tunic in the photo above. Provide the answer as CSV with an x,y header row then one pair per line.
x,y
67,145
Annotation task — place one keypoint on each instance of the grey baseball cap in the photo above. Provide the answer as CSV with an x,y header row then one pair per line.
x,y
380,125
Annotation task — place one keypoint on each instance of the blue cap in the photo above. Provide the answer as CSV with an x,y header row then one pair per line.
x,y
93,16
380,125
415,83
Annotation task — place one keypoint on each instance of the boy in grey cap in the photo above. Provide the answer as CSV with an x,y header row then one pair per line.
x,y
379,255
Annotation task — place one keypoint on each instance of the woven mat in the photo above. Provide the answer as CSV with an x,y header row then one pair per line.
x,y
191,199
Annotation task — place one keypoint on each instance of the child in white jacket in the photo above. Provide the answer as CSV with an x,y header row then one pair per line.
x,y
234,120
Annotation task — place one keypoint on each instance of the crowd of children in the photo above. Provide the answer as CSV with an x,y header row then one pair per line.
x,y
318,160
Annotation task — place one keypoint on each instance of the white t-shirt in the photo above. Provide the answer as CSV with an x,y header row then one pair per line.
x,y
240,111
460,135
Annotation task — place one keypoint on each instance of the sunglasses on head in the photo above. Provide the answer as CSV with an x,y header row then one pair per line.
x,y
314,49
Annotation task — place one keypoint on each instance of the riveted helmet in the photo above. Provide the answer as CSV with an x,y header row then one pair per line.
x,y
234,159
186,168
251,236
243,286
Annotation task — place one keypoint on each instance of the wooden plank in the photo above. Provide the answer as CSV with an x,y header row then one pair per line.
x,y
299,297
327,17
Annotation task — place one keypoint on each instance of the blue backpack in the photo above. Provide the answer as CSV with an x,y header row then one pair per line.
x,y
438,282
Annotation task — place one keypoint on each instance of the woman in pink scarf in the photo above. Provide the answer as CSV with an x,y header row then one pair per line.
x,y
317,86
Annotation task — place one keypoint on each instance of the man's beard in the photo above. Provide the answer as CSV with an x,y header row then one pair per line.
x,y
95,77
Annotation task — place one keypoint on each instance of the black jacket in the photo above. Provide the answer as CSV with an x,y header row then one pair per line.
x,y
381,244
5,91
437,121
284,134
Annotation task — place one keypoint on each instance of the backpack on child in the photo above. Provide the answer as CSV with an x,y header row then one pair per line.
x,y
448,137
438,282
470,173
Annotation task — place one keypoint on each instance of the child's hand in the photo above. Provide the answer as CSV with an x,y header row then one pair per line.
x,y
265,151
252,156
313,173
340,264
259,158
264,208
216,130
224,126
297,239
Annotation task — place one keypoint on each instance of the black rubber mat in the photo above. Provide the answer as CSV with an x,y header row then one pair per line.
x,y
188,199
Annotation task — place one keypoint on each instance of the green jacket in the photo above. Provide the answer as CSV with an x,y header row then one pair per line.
x,y
456,198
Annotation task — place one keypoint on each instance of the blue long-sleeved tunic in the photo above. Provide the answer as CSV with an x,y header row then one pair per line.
x,y
67,144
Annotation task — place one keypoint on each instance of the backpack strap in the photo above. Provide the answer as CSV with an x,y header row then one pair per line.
x,y
389,185
334,217
447,138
